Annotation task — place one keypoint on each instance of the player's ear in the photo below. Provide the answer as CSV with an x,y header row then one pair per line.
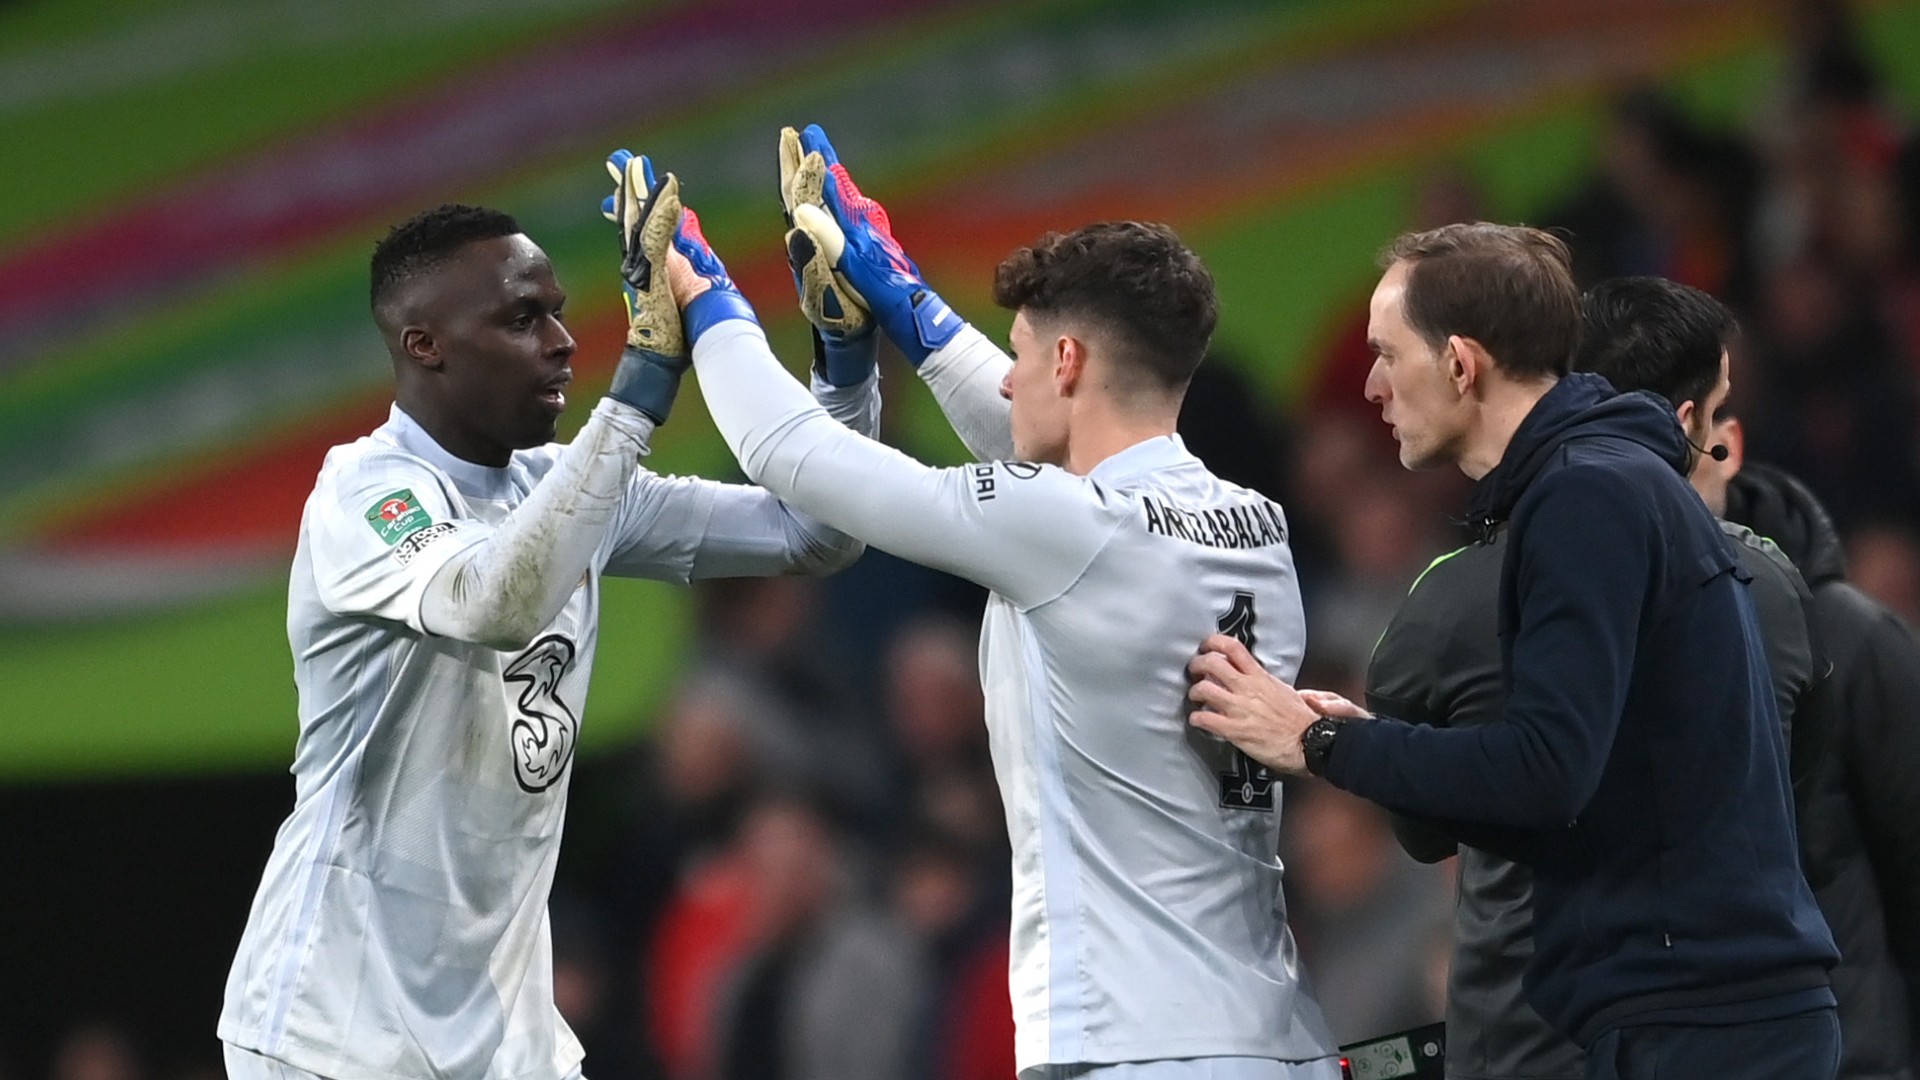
x,y
417,344
1069,363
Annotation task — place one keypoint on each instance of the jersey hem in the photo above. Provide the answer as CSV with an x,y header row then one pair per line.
x,y
318,1061
1172,1050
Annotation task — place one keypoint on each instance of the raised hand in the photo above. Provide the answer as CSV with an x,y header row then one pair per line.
x,y
648,214
876,272
705,291
846,347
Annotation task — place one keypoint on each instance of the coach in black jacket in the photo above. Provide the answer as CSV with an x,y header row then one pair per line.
x,y
1637,767
1439,663
1860,799
1641,334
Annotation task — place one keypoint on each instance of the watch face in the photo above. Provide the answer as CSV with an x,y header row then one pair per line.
x,y
1316,741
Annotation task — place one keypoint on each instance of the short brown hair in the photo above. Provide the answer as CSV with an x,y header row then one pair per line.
x,y
1134,278
1508,287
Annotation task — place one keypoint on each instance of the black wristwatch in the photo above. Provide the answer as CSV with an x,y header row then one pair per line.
x,y
1316,743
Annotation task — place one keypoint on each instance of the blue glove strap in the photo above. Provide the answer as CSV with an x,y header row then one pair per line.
x,y
848,361
713,307
934,324
648,381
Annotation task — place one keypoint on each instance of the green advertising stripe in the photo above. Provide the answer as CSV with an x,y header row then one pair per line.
x,y
211,688
317,296
118,126
132,696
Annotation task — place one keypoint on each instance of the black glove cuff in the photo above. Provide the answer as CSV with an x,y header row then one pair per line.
x,y
647,381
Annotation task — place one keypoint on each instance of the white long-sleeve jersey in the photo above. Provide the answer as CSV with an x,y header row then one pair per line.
x,y
1148,921
443,618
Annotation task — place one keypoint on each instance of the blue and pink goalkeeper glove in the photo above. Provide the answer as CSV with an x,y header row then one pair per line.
x,y
846,343
723,299
873,264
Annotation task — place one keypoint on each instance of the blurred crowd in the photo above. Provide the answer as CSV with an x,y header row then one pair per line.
x,y
802,873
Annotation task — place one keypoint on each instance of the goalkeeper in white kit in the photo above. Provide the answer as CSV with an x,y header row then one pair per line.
x,y
1149,934
443,613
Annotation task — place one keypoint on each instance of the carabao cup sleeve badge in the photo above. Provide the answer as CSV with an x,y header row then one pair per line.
x,y
396,516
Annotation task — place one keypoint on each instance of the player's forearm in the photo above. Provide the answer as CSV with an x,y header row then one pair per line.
x,y
857,407
810,546
965,376
786,443
749,532
505,589
752,533
753,401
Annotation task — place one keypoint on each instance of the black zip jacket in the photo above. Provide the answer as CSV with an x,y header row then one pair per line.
x,y
1859,801
1637,767
1492,1033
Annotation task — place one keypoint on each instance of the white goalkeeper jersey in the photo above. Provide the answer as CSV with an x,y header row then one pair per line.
x,y
400,929
1148,921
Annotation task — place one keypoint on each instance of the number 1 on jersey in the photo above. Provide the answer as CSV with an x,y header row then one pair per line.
x,y
1250,785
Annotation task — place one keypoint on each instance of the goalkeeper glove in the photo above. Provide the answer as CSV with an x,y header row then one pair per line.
x,y
721,300
655,358
845,346
877,272
646,371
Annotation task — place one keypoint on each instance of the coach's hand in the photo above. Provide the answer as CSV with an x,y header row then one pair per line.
x,y
647,211
1243,704
1328,703
872,264
845,345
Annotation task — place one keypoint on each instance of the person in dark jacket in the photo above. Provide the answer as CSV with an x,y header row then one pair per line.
x,y
1642,334
1859,799
1637,767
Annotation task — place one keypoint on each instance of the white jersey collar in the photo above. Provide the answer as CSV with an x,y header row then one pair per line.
x,y
473,480
1152,455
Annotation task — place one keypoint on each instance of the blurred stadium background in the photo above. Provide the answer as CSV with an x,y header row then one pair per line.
x,y
780,821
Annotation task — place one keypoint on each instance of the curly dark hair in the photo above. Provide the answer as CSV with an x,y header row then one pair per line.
x,y
427,239
1133,278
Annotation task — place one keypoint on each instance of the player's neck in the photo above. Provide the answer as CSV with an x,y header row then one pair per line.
x,y
1100,434
454,438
